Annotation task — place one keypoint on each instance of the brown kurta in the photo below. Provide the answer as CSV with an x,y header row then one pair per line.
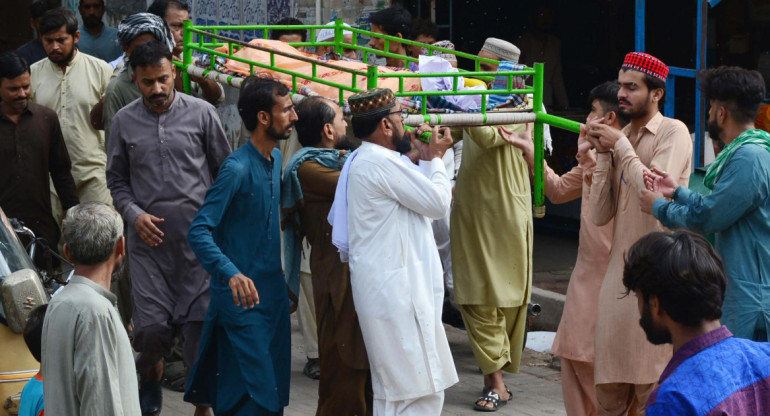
x,y
344,363
623,354
575,336
30,150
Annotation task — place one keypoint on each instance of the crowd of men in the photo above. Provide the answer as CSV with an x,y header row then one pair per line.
x,y
209,240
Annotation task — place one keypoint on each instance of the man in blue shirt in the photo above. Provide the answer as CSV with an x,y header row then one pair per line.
x,y
679,283
243,364
96,38
738,208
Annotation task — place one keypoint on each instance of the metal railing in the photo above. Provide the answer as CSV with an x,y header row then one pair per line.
x,y
210,42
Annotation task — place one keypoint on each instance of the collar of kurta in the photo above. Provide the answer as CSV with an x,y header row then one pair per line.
x,y
253,149
377,147
71,63
76,279
27,111
651,126
173,103
693,347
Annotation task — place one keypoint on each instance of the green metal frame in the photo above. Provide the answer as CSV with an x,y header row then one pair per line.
x,y
208,40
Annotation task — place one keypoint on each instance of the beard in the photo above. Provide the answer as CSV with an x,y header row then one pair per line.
x,y
65,59
656,336
632,112
166,99
402,142
92,22
120,272
276,135
346,142
714,130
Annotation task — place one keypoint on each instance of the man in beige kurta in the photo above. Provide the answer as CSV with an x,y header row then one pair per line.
x,y
574,341
626,364
71,82
491,240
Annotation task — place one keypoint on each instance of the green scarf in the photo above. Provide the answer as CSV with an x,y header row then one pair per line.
x,y
753,136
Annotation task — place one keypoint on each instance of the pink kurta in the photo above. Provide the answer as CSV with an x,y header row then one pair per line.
x,y
575,336
623,354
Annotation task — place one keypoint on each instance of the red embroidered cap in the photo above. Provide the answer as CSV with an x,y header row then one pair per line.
x,y
645,63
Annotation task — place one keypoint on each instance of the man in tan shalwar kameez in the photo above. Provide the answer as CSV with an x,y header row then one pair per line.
x,y
626,364
574,341
491,238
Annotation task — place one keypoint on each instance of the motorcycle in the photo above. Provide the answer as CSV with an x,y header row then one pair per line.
x,y
24,287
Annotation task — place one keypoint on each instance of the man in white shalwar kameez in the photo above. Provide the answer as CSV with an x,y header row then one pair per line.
x,y
396,273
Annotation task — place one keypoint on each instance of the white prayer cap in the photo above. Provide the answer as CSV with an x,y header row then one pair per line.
x,y
328,34
505,51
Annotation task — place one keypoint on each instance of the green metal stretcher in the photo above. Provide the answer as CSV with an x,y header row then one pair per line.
x,y
207,40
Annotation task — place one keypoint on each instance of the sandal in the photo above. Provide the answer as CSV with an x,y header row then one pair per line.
x,y
312,369
493,397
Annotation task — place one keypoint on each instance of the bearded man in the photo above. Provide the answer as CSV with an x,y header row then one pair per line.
x,y
166,149
626,364
246,343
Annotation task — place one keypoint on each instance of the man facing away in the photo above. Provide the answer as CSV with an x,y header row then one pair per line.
x,y
307,192
88,365
242,368
71,83
393,21
166,149
626,364
679,284
96,38
492,253
32,148
574,341
396,274
738,208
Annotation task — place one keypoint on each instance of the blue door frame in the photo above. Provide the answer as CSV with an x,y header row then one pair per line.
x,y
700,63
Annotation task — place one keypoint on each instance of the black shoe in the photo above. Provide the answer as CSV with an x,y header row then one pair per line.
x,y
450,315
150,398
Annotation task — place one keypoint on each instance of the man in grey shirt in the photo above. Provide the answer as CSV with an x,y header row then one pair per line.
x,y
164,152
88,366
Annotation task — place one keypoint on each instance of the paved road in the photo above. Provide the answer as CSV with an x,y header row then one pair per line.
x,y
536,390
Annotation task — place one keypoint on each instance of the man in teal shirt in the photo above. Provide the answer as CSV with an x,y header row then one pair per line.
x,y
242,366
96,38
738,208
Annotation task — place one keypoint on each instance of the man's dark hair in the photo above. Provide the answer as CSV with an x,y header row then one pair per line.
x,y
607,95
33,331
12,65
682,270
81,2
286,21
159,7
363,127
424,27
741,90
149,53
312,115
258,94
654,83
38,8
54,19
393,20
